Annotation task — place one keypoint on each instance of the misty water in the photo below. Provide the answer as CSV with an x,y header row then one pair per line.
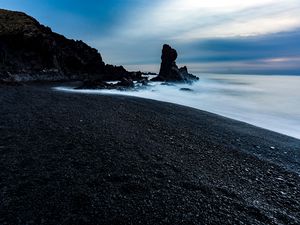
x,y
271,102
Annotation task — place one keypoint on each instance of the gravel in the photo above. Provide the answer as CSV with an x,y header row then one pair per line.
x,y
98,159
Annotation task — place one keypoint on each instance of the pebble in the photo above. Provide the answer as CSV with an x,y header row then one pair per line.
x,y
280,179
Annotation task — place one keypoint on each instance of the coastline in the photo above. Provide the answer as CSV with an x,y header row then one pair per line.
x,y
85,159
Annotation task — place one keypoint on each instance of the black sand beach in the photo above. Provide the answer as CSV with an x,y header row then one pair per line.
x,y
95,159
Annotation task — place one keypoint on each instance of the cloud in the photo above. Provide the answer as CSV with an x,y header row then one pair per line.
x,y
268,54
277,53
278,45
192,19
230,36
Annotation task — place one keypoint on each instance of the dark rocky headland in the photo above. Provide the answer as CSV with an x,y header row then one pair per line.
x,y
30,51
76,159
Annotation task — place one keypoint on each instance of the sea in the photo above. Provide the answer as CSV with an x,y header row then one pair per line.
x,y
270,102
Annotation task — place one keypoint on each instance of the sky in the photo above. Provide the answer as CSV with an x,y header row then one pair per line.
x,y
211,36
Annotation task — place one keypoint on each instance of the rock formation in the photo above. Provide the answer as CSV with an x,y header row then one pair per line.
x,y
124,84
117,73
169,71
31,51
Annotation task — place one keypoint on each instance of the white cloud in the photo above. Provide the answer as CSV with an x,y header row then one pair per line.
x,y
186,19
246,27
139,38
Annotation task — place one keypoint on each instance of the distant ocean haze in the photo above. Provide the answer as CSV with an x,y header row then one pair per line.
x,y
271,102
240,68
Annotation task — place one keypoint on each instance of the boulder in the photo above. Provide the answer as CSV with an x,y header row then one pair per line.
x,y
144,81
186,89
126,83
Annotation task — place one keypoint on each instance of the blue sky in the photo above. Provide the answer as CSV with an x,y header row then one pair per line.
x,y
233,36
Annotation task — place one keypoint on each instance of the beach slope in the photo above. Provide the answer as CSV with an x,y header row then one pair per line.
x,y
97,159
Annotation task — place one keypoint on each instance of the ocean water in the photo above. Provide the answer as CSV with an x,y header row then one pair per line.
x,y
271,102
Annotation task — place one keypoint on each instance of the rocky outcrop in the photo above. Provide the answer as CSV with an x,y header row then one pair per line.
x,y
169,71
95,84
31,51
124,84
117,73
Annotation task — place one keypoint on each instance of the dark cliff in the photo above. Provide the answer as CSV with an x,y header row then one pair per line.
x,y
31,51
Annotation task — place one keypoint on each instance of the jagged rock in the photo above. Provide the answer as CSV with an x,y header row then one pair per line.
x,y
138,76
114,73
169,71
127,83
100,84
144,81
186,89
187,76
117,73
150,73
95,84
167,84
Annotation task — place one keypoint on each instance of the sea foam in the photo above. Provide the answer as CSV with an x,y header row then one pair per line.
x,y
271,102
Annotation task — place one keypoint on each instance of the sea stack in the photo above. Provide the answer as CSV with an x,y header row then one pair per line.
x,y
169,70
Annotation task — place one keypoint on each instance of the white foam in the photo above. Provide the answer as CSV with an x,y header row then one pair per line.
x,y
271,102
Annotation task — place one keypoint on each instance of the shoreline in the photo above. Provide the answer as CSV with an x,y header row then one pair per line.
x,y
85,159
256,151
278,128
